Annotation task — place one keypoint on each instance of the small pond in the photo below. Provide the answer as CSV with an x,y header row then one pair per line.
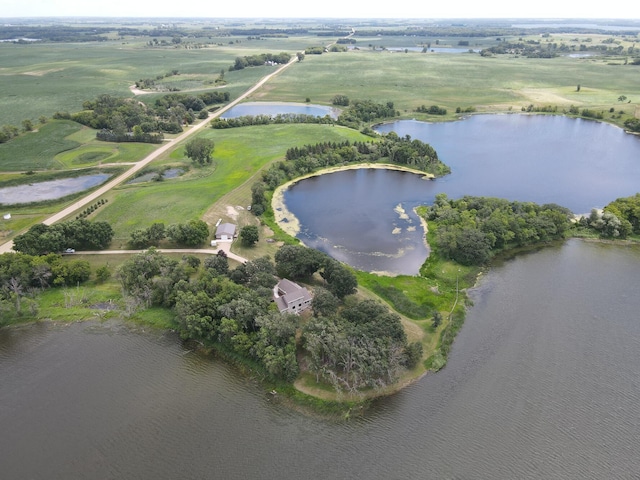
x,y
147,177
279,108
365,217
50,190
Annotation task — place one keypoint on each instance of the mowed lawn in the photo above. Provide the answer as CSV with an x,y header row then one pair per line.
x,y
239,153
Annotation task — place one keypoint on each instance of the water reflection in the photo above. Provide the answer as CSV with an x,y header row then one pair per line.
x,y
50,190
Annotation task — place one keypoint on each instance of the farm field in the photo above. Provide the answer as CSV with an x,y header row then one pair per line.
x,y
499,83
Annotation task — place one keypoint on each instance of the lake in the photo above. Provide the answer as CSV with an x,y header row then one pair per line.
x,y
542,383
50,190
276,108
365,217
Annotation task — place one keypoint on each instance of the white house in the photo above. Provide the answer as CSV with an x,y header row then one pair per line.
x,y
291,297
226,231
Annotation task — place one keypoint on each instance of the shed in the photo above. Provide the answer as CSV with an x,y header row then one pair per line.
x,y
226,231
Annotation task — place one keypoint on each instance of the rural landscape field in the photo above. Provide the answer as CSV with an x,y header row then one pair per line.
x,y
126,129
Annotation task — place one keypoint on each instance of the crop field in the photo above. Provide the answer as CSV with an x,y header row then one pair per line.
x,y
456,80
41,79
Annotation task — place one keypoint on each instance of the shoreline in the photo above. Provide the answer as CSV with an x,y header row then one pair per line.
x,y
290,224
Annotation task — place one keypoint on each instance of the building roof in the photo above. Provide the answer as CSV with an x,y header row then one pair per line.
x,y
286,293
228,229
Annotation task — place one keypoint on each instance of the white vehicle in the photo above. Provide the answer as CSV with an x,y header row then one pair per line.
x,y
69,250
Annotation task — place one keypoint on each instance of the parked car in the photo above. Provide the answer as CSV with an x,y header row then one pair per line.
x,y
69,250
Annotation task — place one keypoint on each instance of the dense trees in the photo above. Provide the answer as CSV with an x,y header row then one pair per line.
x,y
619,219
128,120
472,229
191,234
261,59
351,346
200,150
362,346
22,276
77,234
249,235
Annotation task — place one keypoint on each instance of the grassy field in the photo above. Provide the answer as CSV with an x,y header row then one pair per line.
x,y
239,153
65,145
500,83
41,79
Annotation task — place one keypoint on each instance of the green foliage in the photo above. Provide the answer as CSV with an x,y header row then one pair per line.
x,y
192,234
366,111
340,280
200,150
627,210
77,234
259,60
341,100
362,347
298,262
472,229
432,110
249,235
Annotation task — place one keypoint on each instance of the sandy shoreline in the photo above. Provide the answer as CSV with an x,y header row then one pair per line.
x,y
290,223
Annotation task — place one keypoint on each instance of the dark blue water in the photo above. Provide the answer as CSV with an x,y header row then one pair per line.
x,y
353,215
579,164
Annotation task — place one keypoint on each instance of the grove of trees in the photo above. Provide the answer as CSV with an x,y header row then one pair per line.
x,y
80,234
471,230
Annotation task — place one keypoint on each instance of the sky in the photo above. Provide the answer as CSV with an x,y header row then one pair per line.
x,y
618,9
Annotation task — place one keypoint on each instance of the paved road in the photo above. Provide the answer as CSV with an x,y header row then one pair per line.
x,y
8,246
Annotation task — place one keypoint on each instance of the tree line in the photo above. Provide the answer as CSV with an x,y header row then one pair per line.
x,y
79,234
471,230
304,160
260,59
126,119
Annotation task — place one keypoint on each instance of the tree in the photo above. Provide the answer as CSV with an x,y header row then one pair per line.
x,y
324,303
340,280
192,233
249,235
298,262
199,150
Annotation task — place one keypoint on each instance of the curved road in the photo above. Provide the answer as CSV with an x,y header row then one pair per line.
x,y
8,246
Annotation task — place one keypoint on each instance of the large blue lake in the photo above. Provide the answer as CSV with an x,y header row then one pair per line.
x,y
366,218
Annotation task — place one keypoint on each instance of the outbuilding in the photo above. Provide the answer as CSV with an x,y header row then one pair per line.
x,y
226,232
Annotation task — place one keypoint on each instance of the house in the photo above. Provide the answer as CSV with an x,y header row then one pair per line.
x,y
291,297
226,231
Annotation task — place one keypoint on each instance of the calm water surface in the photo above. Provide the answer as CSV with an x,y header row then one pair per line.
x,y
50,190
542,383
354,217
273,109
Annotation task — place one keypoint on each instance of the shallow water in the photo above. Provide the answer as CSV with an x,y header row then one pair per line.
x,y
50,190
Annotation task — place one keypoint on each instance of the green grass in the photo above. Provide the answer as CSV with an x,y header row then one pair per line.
x,y
97,152
239,153
490,84
43,78
37,150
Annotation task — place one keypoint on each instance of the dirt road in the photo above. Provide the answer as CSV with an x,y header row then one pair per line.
x,y
170,145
